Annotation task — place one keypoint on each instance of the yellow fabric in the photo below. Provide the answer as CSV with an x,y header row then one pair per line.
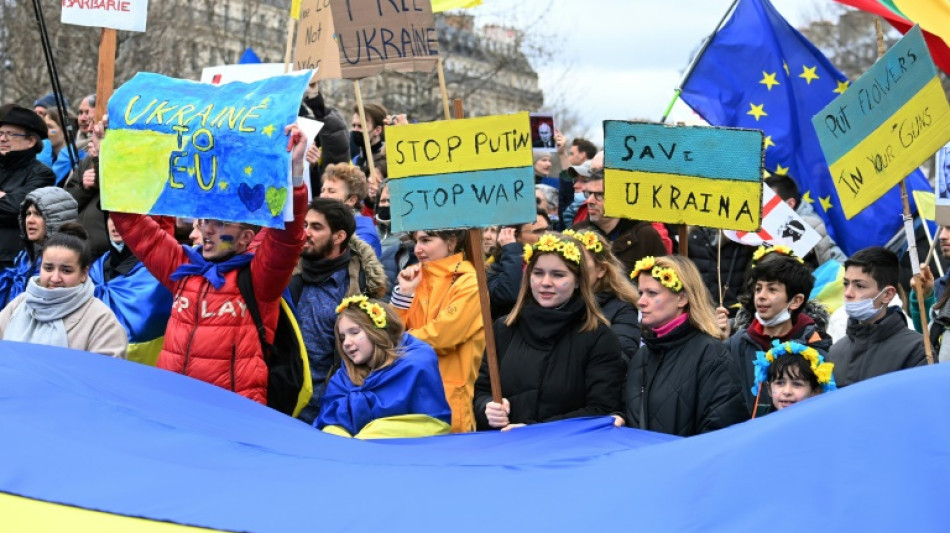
x,y
145,352
24,514
448,317
396,427
306,392
445,5
933,16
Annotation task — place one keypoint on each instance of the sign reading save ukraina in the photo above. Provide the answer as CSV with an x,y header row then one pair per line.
x,y
466,173
888,122
683,174
182,148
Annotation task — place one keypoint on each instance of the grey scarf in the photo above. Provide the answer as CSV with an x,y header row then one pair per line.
x,y
39,318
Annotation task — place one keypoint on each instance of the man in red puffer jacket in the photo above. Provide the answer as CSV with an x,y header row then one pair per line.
x,y
211,335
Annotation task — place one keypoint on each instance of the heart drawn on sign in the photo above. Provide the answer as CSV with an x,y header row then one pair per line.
x,y
252,197
276,199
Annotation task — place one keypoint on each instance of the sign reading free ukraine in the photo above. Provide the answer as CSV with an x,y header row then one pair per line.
x,y
889,121
683,174
181,148
465,173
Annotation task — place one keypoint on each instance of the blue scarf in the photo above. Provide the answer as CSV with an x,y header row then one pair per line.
x,y
199,266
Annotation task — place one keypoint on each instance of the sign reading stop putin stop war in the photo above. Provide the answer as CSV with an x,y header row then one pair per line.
x,y
683,174
886,123
466,173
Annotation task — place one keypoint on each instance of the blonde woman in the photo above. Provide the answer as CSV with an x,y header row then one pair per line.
x,y
683,381
389,384
557,356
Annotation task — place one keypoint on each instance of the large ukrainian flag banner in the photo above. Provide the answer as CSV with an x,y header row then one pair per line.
x,y
182,148
888,122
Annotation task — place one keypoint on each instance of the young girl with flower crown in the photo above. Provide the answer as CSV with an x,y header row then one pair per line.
x,y
683,380
557,356
794,372
389,385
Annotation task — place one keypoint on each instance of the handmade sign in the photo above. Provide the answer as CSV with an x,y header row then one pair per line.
x,y
780,225
316,47
888,122
683,174
465,173
129,15
221,74
942,182
182,148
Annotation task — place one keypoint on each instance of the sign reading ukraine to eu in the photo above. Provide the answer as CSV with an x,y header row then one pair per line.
x,y
182,148
888,122
466,173
683,174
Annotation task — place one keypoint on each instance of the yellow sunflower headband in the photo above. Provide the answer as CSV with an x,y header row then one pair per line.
x,y
665,275
762,251
589,239
823,370
375,311
552,243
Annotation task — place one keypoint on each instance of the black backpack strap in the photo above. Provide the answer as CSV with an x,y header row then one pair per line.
x,y
246,286
296,289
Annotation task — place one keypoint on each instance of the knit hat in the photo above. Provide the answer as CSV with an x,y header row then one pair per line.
x,y
49,102
26,119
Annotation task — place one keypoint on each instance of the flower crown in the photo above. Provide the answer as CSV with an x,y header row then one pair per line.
x,y
551,243
815,360
778,248
666,276
589,239
375,311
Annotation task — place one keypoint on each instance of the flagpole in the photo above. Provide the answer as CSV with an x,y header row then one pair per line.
x,y
692,64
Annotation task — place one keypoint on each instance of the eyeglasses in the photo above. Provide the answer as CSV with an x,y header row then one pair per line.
x,y
216,224
13,135
598,196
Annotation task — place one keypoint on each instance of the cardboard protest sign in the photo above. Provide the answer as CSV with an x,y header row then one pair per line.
x,y
129,15
316,47
780,225
683,174
182,148
888,122
942,182
465,173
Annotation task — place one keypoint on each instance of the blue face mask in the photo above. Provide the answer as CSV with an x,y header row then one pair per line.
x,y
863,310
119,246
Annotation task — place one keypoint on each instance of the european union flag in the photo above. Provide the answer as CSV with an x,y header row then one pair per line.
x,y
759,72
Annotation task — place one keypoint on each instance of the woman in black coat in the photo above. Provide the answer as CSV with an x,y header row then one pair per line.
x,y
557,356
683,381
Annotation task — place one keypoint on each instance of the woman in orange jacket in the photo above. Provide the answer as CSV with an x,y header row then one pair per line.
x,y
438,300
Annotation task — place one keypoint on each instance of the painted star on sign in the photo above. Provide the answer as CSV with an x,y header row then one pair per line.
x,y
248,169
826,203
808,74
769,80
842,87
268,130
757,111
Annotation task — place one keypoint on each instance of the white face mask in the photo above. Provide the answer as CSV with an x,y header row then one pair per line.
x,y
784,316
863,310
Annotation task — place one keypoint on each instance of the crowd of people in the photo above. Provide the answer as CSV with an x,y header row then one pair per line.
x,y
592,315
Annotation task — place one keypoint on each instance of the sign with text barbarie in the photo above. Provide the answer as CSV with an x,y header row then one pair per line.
x,y
693,175
129,15
888,122
466,173
376,35
316,47
182,148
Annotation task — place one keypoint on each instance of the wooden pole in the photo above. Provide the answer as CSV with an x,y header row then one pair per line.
x,y
105,82
445,92
684,240
289,47
475,254
719,265
366,143
909,229
933,246
931,240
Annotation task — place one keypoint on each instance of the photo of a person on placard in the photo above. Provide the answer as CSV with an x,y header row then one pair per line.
x,y
943,173
542,132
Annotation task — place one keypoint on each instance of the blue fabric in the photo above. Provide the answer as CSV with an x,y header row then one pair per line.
x,y
366,231
212,271
249,57
316,315
102,433
60,165
13,279
726,81
411,385
140,303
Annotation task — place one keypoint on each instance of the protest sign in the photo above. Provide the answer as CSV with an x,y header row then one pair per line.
x,y
942,182
221,74
884,125
374,36
182,148
683,174
780,225
316,48
129,15
465,173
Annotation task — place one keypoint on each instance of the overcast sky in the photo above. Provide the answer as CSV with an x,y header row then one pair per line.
x,y
621,59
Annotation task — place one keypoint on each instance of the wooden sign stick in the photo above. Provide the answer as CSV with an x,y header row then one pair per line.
x,y
908,229
719,265
931,239
366,143
445,92
684,240
289,48
105,82
933,246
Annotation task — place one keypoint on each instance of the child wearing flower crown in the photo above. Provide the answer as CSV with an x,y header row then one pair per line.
x,y
794,372
778,287
389,385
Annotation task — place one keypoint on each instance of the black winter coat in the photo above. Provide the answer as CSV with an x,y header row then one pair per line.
x,y
90,213
504,279
550,370
20,173
873,349
690,382
624,320
736,258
